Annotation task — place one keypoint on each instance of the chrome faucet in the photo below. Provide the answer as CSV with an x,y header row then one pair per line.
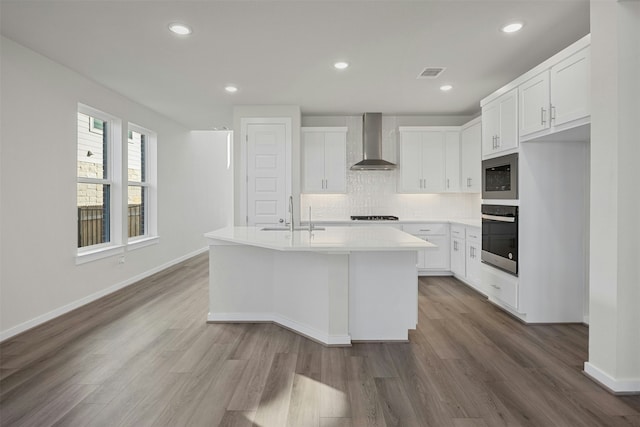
x,y
291,214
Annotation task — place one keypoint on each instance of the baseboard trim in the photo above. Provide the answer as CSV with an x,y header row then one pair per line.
x,y
615,386
36,321
294,326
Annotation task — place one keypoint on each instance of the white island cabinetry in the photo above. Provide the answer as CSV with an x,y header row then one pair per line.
x,y
334,285
433,260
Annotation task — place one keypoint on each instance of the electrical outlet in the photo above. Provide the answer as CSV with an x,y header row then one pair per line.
x,y
121,259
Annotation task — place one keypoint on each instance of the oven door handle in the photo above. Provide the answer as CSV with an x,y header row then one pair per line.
x,y
499,218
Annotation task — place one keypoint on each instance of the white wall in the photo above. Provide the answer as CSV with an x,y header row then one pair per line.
x,y
614,332
38,274
375,192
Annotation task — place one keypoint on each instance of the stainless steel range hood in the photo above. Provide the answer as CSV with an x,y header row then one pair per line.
x,y
372,145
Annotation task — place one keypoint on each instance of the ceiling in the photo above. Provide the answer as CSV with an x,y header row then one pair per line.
x,y
282,52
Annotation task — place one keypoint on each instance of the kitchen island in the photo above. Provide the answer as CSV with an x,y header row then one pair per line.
x,y
332,285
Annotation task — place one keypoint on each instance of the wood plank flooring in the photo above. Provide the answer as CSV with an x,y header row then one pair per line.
x,y
145,356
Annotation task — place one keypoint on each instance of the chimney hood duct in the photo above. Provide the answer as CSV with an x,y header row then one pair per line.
x,y
372,145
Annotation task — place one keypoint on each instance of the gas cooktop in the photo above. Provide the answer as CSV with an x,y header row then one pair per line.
x,y
374,218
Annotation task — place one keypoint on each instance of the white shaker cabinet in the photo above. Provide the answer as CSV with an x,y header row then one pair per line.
x,y
432,260
422,160
570,88
500,125
452,161
324,166
472,255
535,104
557,98
458,264
429,159
471,156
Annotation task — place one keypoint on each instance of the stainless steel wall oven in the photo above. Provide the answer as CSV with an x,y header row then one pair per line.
x,y
500,237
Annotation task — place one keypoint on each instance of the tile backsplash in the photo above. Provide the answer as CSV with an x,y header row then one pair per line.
x,y
374,192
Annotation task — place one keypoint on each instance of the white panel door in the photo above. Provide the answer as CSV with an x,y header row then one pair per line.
x,y
266,174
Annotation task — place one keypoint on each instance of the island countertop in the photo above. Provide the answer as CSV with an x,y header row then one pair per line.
x,y
331,239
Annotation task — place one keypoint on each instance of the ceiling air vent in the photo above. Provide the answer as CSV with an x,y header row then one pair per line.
x,y
431,72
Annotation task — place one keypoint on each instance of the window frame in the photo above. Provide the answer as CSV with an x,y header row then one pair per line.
x,y
113,172
150,235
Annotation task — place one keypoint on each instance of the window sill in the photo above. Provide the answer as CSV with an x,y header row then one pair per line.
x,y
142,242
99,253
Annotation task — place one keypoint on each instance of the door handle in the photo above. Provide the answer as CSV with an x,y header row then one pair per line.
x,y
543,119
553,112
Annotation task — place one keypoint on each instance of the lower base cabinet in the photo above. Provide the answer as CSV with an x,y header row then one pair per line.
x,y
466,245
432,260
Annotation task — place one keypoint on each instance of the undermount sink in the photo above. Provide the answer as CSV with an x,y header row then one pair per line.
x,y
295,229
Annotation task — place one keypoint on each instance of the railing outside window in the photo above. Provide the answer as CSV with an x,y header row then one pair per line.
x,y
91,230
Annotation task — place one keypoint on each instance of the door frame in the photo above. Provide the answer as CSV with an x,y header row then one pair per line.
x,y
244,138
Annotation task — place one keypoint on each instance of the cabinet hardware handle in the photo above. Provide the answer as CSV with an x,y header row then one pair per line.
x,y
471,235
494,141
543,119
447,182
498,141
553,112
326,184
496,287
425,229
468,182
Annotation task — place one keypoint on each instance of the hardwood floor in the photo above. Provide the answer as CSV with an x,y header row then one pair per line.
x,y
145,356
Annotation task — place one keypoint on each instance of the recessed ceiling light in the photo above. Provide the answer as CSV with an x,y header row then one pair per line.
x,y
231,89
513,27
341,65
446,88
180,29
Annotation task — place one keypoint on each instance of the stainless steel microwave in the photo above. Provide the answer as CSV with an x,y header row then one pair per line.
x,y
500,177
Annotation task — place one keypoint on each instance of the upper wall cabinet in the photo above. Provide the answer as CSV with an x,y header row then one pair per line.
x,y
557,98
324,154
500,125
452,161
470,158
429,159
422,160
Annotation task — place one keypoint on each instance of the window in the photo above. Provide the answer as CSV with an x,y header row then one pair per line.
x,y
102,179
95,178
141,179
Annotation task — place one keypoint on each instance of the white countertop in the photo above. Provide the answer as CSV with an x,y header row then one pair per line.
x,y
332,239
473,222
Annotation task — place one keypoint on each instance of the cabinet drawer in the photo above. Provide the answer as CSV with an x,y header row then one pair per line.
x,y
457,231
433,229
474,235
500,285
